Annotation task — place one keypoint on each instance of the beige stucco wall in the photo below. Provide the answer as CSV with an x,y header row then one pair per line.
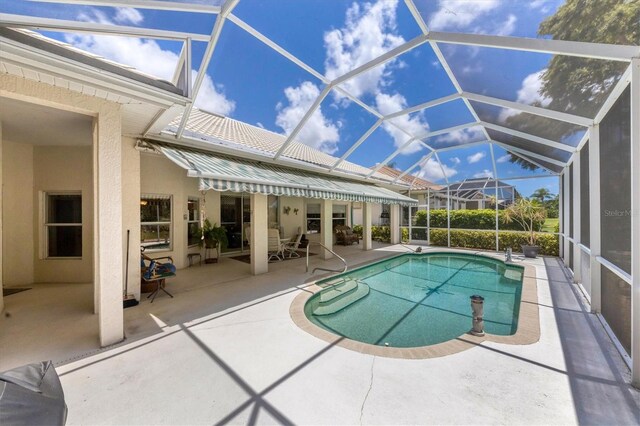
x,y
291,222
159,176
1,235
18,236
60,169
131,212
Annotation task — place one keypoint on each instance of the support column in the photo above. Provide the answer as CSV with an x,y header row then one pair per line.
x,y
566,191
259,234
577,253
560,216
131,212
635,222
497,216
108,232
394,224
326,227
366,226
429,216
448,217
594,217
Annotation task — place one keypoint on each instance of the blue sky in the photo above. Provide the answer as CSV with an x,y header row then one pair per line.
x,y
249,81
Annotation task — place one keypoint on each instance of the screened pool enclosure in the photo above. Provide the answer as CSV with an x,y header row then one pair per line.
x,y
443,106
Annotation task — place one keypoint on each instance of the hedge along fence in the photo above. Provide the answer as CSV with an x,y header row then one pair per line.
x,y
381,233
468,219
549,243
483,240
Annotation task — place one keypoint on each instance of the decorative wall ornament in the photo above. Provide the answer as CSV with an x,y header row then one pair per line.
x,y
287,209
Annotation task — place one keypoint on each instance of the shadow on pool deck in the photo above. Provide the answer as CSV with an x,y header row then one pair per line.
x,y
593,367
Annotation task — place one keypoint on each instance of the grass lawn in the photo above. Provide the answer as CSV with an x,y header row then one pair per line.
x,y
550,224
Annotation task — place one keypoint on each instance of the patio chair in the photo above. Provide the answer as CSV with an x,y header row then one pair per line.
x,y
346,235
274,247
156,272
291,248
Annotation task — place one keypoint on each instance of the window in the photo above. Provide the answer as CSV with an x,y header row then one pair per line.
x,y
339,215
313,218
155,222
63,225
193,221
272,207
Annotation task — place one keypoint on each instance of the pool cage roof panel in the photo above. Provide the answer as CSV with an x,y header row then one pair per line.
x,y
397,82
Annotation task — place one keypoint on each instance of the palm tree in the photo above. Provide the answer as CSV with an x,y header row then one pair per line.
x,y
542,194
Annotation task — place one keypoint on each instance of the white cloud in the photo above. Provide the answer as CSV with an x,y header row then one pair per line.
x,y
146,56
474,158
504,158
212,98
507,27
460,14
542,5
461,136
455,160
528,93
369,32
414,125
432,171
484,174
318,132
128,15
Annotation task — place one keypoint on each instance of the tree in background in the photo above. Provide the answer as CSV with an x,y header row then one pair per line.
x,y
580,85
542,194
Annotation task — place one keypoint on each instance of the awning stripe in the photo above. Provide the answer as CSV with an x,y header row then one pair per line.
x,y
222,173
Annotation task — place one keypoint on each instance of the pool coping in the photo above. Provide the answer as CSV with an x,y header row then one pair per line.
x,y
528,331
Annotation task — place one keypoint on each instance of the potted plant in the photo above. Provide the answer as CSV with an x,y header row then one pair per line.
x,y
213,237
527,213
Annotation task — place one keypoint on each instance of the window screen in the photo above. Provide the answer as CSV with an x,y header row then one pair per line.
x,y
584,196
615,183
616,306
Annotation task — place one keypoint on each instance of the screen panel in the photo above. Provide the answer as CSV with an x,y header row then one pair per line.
x,y
615,183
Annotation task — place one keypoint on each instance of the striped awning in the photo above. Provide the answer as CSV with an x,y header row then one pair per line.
x,y
222,173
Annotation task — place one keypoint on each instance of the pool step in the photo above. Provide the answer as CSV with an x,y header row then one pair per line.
x,y
512,274
343,300
337,289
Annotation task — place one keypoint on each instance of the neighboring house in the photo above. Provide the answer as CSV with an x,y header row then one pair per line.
x,y
90,164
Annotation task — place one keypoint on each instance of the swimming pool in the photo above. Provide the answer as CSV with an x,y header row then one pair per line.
x,y
415,300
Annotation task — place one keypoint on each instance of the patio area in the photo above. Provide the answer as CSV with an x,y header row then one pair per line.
x,y
225,350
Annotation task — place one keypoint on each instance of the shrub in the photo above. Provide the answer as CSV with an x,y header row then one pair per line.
x,y
381,233
548,243
469,219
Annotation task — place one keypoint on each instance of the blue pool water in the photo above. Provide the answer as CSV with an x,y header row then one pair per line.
x,y
418,299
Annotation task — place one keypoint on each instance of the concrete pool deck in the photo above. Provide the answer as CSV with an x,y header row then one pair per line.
x,y
225,350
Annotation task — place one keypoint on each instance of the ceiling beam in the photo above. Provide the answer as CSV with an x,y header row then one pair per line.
x,y
305,118
141,4
430,134
266,40
227,8
611,52
423,106
459,146
416,164
60,25
391,156
622,84
358,143
530,137
530,154
542,112
385,57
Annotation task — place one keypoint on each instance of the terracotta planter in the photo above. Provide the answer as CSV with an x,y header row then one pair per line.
x,y
530,251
